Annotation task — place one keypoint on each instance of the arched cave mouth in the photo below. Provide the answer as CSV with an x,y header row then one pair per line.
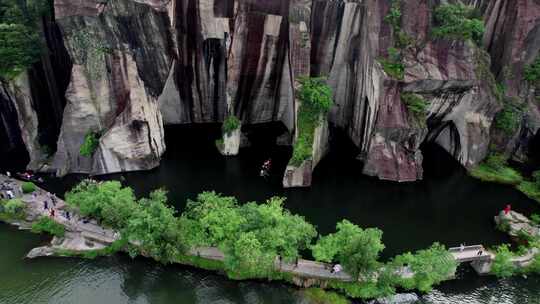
x,y
533,153
437,163
341,159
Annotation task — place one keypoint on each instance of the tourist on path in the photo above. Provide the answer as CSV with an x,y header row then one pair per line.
x,y
336,269
52,213
507,209
480,252
461,247
45,205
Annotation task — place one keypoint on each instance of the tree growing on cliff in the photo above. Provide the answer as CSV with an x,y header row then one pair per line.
x,y
458,21
90,144
316,98
357,249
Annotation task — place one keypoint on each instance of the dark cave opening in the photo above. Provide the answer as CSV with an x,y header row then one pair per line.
x,y
437,162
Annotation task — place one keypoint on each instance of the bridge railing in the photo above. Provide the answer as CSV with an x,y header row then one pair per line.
x,y
466,248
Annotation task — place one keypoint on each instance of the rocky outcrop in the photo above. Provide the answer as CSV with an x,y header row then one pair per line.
x,y
120,65
301,175
230,143
513,40
21,120
140,64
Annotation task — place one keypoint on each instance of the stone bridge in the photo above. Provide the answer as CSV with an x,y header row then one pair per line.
x,y
477,255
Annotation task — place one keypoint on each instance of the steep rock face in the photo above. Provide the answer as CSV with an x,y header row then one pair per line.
x,y
121,59
513,40
139,64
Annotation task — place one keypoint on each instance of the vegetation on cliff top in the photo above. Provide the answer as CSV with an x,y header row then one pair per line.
x,y
19,41
316,98
458,21
230,124
495,169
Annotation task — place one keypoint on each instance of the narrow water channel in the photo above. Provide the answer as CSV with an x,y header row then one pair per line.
x,y
448,207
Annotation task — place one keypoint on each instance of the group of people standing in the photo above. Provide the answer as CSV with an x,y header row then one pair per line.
x,y
52,200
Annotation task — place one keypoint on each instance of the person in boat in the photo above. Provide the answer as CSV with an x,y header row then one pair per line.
x,y
265,169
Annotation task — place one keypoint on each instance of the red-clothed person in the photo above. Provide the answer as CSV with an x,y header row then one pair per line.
x,y
507,209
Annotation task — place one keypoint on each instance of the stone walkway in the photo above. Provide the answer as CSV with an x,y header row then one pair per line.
x,y
80,236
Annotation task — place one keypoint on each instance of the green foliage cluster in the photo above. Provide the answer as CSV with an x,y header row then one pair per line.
x,y
531,72
502,265
230,124
316,98
357,249
430,266
508,119
416,105
116,246
148,222
457,21
531,189
535,218
392,64
253,238
48,225
321,296
90,144
250,235
20,45
496,169
28,187
13,208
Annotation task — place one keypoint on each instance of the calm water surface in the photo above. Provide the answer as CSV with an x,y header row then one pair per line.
x,y
448,206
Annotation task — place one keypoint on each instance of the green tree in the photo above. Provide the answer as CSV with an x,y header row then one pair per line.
x,y
316,97
430,266
155,226
357,249
108,201
457,21
248,256
230,124
502,265
90,144
17,49
217,215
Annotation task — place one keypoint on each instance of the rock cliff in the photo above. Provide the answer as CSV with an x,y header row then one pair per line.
x,y
125,68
